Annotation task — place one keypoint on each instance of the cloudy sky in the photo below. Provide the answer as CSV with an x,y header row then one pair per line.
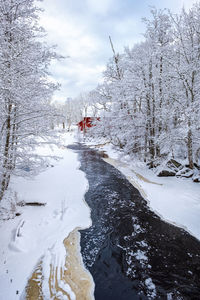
x,y
81,28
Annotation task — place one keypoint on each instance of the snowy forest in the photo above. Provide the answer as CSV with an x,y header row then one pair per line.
x,y
26,115
99,177
149,99
148,102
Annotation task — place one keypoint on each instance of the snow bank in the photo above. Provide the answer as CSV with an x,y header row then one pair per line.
x,y
25,239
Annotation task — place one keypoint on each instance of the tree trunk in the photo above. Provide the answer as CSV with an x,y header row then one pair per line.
x,y
5,177
190,148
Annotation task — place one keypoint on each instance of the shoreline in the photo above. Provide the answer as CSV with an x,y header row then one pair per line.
x,y
119,166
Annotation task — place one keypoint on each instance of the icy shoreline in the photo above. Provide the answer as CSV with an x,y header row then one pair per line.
x,y
175,200
62,187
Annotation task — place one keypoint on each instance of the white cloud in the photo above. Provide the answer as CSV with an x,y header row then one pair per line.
x,y
100,6
82,70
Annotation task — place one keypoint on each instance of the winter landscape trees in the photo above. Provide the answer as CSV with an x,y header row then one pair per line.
x,y
152,92
25,87
148,102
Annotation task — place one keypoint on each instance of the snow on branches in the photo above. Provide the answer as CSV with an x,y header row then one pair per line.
x,y
25,87
153,105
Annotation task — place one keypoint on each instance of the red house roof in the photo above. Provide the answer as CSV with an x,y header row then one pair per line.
x,y
87,123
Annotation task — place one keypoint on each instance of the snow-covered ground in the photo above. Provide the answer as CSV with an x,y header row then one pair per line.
x,y
176,200
40,231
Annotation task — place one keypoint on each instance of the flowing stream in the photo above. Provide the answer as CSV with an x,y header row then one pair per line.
x,y
130,252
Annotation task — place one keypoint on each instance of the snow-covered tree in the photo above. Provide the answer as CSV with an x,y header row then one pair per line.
x,y
25,86
150,93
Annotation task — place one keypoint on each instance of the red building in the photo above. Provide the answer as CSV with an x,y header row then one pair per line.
x,y
87,123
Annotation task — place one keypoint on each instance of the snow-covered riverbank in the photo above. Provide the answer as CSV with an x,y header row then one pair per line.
x,y
176,200
41,230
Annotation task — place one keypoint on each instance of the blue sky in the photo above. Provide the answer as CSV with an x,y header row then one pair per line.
x,y
80,28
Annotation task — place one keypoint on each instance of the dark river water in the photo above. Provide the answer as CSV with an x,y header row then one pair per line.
x,y
130,252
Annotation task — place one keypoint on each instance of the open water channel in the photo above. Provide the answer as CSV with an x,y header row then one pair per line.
x,y
130,252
